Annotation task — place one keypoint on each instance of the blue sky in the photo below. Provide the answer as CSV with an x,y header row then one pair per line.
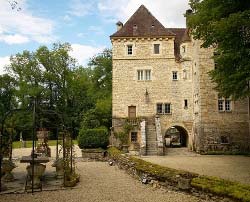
x,y
86,24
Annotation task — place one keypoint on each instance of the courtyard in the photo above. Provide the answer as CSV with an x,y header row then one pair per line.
x,y
101,182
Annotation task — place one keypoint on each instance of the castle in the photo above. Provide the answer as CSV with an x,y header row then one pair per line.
x,y
162,95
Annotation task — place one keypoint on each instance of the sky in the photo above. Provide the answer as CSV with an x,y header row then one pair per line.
x,y
85,24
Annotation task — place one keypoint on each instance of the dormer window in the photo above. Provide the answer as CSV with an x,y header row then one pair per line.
x,y
130,49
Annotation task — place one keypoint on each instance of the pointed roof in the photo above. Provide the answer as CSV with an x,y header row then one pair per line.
x,y
142,24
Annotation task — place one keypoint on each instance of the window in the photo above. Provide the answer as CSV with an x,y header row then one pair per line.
x,y
224,140
224,104
148,74
144,74
174,75
156,48
227,105
133,137
130,49
183,49
220,104
159,108
185,103
140,75
167,108
132,112
163,108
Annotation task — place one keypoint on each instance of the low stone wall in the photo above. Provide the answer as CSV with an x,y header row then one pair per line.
x,y
177,180
94,154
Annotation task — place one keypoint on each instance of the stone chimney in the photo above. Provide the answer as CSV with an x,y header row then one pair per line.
x,y
119,25
188,12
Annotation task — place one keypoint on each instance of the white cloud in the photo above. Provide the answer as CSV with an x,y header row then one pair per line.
x,y
169,13
3,62
14,39
81,8
84,52
67,18
24,23
96,30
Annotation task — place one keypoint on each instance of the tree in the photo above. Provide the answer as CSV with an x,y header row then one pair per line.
x,y
100,73
225,25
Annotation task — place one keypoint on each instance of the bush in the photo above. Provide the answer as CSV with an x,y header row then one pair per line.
x,y
93,138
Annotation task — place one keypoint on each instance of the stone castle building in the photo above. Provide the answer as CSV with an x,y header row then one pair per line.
x,y
162,93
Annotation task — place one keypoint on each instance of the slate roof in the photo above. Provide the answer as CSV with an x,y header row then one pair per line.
x,y
181,35
142,23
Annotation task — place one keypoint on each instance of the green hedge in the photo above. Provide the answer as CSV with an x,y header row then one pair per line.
x,y
93,138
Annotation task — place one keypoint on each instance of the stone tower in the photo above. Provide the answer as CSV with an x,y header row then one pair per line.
x,y
162,95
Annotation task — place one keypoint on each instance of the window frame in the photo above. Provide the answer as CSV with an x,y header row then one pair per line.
x,y
133,138
156,46
224,104
164,108
144,74
175,75
128,51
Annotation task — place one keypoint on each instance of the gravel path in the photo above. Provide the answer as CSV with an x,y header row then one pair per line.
x,y
101,182
235,168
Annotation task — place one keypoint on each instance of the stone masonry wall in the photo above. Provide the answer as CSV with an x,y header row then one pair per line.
x,y
127,90
212,124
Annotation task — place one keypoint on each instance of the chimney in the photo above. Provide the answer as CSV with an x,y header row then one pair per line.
x,y
188,13
119,25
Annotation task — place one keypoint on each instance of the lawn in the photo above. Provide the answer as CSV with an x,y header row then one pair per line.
x,y
18,144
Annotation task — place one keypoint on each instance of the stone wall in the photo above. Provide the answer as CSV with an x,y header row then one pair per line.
x,y
210,124
201,119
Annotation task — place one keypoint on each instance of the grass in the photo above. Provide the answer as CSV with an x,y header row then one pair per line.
x,y
217,186
18,144
223,187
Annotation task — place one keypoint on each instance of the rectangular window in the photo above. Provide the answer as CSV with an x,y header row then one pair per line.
x,y
132,112
175,75
156,48
140,75
183,49
220,104
228,105
143,74
148,74
133,137
185,103
159,108
163,108
167,108
130,49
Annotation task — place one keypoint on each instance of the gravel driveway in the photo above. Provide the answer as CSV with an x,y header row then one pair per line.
x,y
235,168
101,182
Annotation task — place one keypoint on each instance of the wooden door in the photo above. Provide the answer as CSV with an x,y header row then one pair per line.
x,y
132,112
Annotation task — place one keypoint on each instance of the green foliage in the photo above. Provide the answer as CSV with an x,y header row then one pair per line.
x,y
225,25
123,135
93,138
223,187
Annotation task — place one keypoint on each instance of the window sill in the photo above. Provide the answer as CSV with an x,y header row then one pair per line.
x,y
225,111
174,79
144,80
163,113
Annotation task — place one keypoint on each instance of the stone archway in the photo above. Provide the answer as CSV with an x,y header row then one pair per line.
x,y
176,136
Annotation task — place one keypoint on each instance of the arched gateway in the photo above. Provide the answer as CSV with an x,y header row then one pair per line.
x,y
176,136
